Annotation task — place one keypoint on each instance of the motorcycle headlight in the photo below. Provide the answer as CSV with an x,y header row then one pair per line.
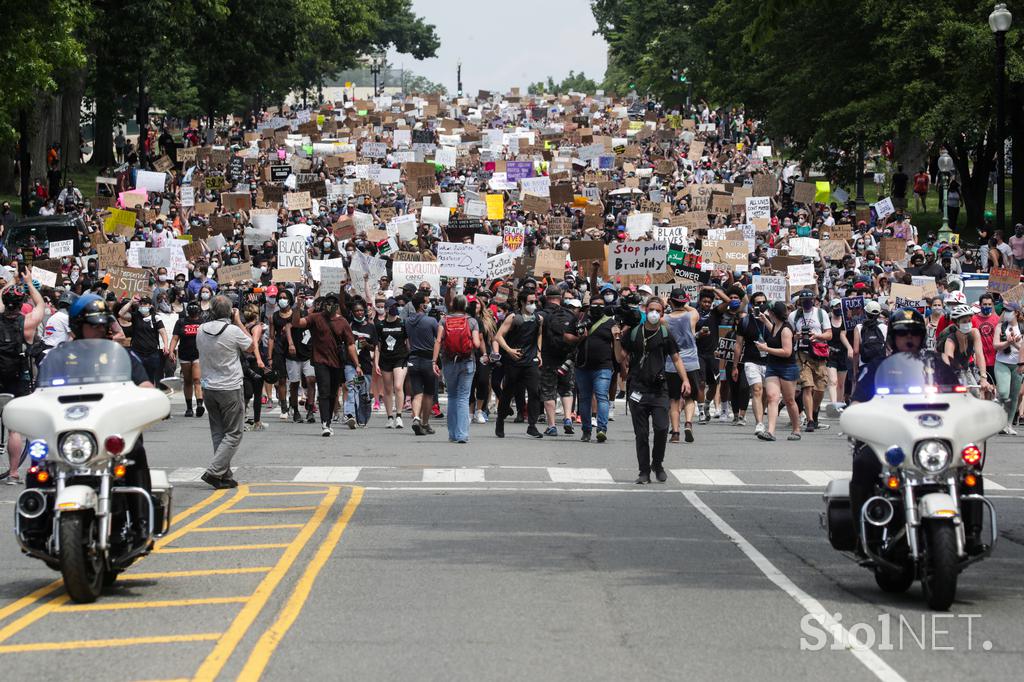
x,y
77,448
932,455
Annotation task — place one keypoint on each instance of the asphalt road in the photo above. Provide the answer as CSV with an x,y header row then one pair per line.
x,y
379,555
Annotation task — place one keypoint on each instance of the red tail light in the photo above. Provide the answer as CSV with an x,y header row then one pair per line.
x,y
114,445
959,389
971,455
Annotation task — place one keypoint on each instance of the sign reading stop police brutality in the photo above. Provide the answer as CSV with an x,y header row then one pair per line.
x,y
637,258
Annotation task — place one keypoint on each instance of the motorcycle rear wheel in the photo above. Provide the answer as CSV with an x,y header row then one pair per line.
x,y
942,570
82,568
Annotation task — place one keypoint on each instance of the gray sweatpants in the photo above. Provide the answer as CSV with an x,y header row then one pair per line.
x,y
226,410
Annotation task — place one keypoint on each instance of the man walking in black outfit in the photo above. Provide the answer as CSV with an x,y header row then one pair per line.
x,y
520,339
644,349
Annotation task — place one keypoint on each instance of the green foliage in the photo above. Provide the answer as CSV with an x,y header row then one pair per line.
x,y
574,82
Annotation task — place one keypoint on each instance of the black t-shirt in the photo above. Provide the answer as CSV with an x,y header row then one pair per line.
x,y
303,340
556,323
145,333
899,185
278,322
365,334
647,353
752,330
186,331
708,343
596,351
392,338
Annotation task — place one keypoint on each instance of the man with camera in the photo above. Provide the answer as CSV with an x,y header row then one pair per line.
x,y
556,373
644,349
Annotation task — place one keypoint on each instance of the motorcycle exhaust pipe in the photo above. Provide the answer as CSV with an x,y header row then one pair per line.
x,y
878,511
31,504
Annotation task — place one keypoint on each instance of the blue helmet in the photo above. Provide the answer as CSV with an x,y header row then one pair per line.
x,y
91,309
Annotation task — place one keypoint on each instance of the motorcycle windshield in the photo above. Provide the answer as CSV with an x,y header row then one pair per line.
x,y
911,373
78,363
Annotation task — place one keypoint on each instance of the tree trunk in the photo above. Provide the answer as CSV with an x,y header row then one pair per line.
x,y
973,185
71,88
45,130
909,150
103,125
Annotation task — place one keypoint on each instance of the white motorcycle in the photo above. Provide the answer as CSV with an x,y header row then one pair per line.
x,y
80,513
928,432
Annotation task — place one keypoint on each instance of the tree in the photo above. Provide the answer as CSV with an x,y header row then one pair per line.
x,y
572,83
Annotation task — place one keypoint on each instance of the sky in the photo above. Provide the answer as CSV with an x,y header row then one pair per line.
x,y
503,44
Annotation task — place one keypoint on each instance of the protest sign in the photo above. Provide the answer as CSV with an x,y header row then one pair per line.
x,y
435,215
150,181
120,222
402,227
495,207
415,273
234,273
188,196
128,281
476,208
926,283
758,207
110,255
500,266
804,192
538,187
550,261
291,253
236,201
893,249
514,236
298,201
726,349
462,260
833,249
772,286
725,252
884,208
154,258
1012,297
906,296
853,312
999,279
639,224
490,242
801,275
45,278
517,170
65,247
764,186
331,279
670,235
803,246
637,258
534,204
287,275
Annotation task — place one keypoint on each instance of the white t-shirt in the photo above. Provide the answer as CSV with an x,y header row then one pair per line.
x,y
57,329
220,355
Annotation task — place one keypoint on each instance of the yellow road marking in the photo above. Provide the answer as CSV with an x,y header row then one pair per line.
x,y
270,639
156,575
121,606
104,643
269,526
33,597
229,641
26,620
289,492
221,548
269,510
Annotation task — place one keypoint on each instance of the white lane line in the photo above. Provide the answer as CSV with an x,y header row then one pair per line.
x,y
992,485
453,475
327,475
869,658
691,476
584,475
185,474
821,478
720,477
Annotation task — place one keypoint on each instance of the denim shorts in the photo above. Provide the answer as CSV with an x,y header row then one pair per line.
x,y
784,372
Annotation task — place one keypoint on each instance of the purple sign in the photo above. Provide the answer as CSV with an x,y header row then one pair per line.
x,y
517,170
606,162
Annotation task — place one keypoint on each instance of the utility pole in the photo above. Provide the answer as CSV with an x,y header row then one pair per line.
x,y
458,77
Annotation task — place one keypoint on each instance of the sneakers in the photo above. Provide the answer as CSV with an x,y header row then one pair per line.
x,y
703,417
398,422
390,424
673,436
725,416
660,476
567,426
326,431
350,421
759,428
550,431
611,413
688,432
532,432
310,417
479,418
284,415
377,407
417,428
189,413
12,480
809,426
436,412
1009,431
499,428
585,437
428,429
200,410
296,417
739,421
601,436
218,482
711,410
643,479
258,426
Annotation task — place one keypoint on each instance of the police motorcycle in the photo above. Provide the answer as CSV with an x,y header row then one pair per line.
x,y
925,518
78,513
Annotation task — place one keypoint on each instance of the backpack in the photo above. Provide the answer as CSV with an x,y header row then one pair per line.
x,y
12,346
458,337
872,343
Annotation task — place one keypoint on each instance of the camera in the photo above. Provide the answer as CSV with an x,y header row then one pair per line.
x,y
566,367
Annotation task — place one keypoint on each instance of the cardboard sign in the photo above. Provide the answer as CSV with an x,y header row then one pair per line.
x,y
298,201
765,185
287,275
128,281
804,192
204,207
291,253
154,258
236,201
906,296
893,249
801,275
833,249
228,274
462,260
561,193
725,252
999,279
110,255
639,258
550,261
535,204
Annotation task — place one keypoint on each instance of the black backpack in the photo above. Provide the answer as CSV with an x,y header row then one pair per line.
x,y
872,343
12,346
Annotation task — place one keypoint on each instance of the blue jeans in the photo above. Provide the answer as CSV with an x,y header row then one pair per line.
x,y
357,400
589,382
458,378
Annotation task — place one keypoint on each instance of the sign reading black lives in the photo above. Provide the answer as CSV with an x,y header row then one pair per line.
x,y
280,172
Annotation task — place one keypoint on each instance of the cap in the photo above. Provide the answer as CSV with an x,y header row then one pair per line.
x,y
679,294
806,293
646,289
834,302
872,307
573,303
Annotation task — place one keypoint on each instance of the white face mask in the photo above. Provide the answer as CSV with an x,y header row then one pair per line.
x,y
380,311
282,303
965,327
609,298
205,295
529,308
654,317
426,308
144,310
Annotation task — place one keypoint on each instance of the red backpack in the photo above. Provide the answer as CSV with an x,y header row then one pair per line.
x,y
458,337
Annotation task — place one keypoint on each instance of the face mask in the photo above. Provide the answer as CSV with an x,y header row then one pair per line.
x,y
986,310
734,305
233,261
529,308
359,317
86,244
838,310
205,295
350,253
807,303
654,317
379,309
162,278
159,228
499,316
282,303
309,303
565,247
609,298
965,327
928,311
144,310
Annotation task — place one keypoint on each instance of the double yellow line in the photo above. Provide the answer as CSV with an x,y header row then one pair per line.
x,y
227,641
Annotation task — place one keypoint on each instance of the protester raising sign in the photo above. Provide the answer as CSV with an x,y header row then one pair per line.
x,y
637,258
462,260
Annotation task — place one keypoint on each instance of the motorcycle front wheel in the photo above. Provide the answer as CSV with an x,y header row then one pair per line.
x,y
81,566
894,582
942,567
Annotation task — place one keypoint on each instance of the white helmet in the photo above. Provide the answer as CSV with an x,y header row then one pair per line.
x,y
959,311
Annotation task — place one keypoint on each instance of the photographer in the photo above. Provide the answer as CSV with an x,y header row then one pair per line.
x,y
556,373
644,349
594,367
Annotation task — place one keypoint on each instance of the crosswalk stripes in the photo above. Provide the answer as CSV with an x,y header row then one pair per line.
x,y
821,478
186,475
716,477
327,475
589,475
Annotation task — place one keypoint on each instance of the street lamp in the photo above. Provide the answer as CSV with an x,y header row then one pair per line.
x,y
377,61
946,171
999,21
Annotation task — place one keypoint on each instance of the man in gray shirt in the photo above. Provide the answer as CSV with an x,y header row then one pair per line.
x,y
220,343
